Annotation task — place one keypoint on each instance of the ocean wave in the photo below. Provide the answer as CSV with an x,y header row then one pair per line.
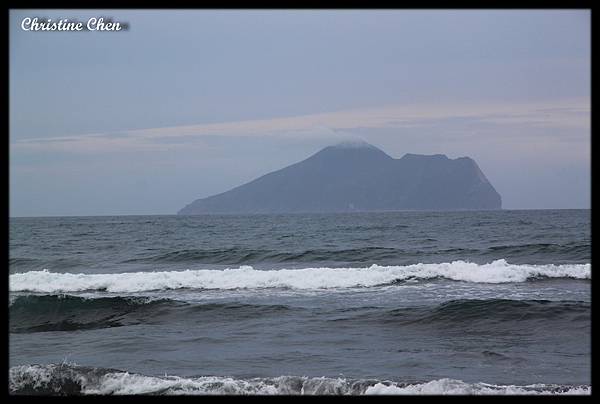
x,y
466,310
69,379
236,255
246,277
489,314
32,313
19,261
240,255
69,313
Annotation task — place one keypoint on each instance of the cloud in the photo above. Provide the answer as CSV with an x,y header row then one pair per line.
x,y
566,113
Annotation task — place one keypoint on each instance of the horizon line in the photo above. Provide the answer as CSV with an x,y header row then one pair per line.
x,y
297,213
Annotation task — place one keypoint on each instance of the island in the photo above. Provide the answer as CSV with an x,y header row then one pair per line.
x,y
359,177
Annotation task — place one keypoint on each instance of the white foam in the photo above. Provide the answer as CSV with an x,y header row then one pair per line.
x,y
124,383
45,377
458,387
308,278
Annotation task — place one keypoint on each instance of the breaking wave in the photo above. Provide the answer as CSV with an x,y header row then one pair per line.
x,y
246,277
69,379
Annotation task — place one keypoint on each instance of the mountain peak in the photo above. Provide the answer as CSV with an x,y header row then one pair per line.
x,y
352,150
354,144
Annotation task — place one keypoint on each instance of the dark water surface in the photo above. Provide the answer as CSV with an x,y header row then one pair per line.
x,y
405,302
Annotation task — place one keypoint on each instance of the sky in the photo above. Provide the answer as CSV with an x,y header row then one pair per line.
x,y
185,104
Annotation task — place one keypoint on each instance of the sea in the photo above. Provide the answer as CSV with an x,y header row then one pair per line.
x,y
470,302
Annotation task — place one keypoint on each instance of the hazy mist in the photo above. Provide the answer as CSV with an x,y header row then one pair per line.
x,y
186,104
